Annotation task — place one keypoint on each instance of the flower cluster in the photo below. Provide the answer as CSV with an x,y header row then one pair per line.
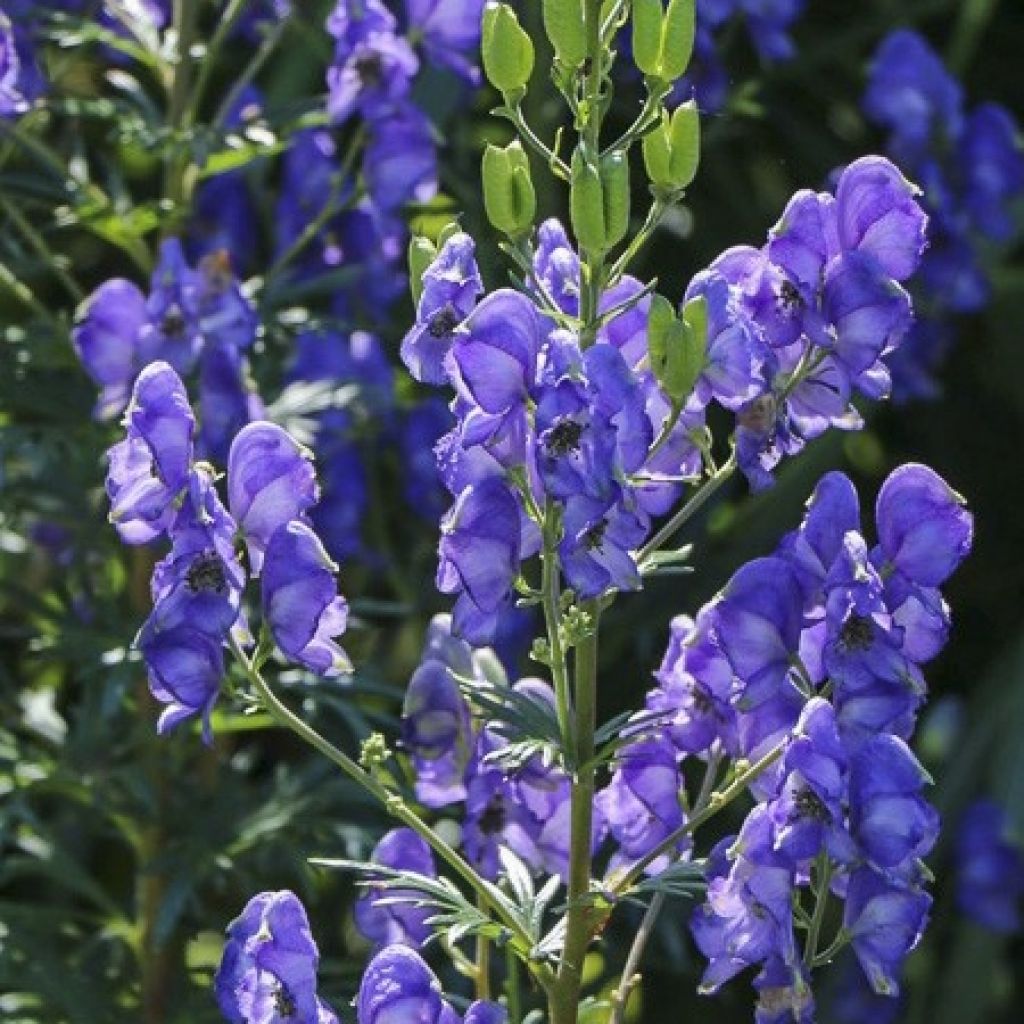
x,y
990,869
157,487
458,760
556,441
192,319
811,659
971,167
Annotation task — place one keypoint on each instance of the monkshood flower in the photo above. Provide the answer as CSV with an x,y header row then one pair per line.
x,y
990,868
19,83
886,921
642,802
449,33
378,917
826,296
267,973
971,167
271,482
301,604
783,994
373,66
420,430
437,729
400,163
149,469
451,286
197,592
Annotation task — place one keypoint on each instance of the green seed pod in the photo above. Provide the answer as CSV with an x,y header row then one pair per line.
x,y
422,253
586,204
661,326
614,170
509,196
657,149
506,49
647,33
676,347
677,35
685,144
563,22
695,349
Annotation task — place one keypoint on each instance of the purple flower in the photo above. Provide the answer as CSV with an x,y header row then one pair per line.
x,y
227,399
421,429
20,82
106,337
173,325
924,530
398,986
300,600
451,286
990,868
149,469
889,818
885,922
383,921
271,481
642,802
598,544
479,556
783,994
267,974
400,163
449,31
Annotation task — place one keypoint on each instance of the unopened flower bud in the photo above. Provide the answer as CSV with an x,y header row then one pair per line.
x,y
509,196
506,49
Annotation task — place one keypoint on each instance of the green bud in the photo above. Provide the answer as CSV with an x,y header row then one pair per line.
x,y
614,169
586,204
422,253
509,196
685,142
677,35
563,22
506,49
657,149
677,346
647,20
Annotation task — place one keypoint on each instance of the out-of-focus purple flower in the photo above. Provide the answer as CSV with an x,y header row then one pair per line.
x,y
172,309
400,163
149,469
421,428
990,868
227,399
106,337
267,974
271,481
449,31
20,81
885,921
379,919
300,600
451,286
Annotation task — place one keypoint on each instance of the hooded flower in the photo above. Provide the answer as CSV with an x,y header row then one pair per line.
x,y
267,974
300,600
398,986
271,481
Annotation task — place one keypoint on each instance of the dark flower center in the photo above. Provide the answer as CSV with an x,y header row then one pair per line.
x,y
206,574
443,322
173,323
370,69
493,818
564,438
856,633
809,805
284,1004
702,702
789,297
593,539
759,415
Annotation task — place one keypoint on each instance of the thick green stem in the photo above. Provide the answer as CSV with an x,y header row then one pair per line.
x,y
580,920
186,14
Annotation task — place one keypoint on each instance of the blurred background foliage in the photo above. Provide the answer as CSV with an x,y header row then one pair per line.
x,y
121,858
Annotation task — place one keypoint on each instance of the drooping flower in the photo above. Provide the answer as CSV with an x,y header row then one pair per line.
x,y
267,974
301,604
990,868
398,986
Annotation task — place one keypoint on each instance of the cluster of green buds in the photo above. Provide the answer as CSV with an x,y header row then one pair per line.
x,y
608,230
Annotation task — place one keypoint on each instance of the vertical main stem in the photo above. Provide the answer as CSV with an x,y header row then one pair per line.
x,y
579,926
